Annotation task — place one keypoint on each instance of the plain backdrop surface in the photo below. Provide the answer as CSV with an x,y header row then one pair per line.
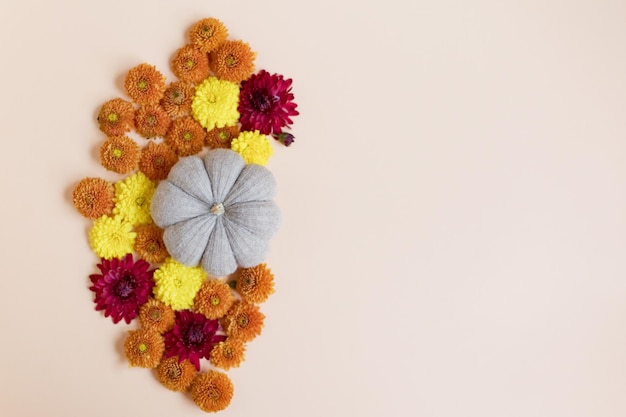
x,y
454,223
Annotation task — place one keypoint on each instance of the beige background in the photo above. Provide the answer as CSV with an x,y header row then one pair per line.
x,y
454,208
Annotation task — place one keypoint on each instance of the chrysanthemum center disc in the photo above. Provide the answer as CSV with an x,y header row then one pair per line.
x,y
213,394
261,101
117,152
112,117
215,300
195,336
124,287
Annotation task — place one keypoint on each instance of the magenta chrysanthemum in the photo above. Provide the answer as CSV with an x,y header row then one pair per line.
x,y
122,287
192,337
265,103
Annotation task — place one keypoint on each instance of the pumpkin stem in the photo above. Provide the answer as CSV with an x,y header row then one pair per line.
x,y
217,209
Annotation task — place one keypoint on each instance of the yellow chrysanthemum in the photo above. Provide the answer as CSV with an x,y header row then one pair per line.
x,y
215,103
254,147
177,284
111,237
132,199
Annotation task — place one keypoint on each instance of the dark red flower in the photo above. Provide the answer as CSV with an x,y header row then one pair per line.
x,y
265,103
192,337
122,287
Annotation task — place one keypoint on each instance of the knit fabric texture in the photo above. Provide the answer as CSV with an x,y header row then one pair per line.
x,y
217,212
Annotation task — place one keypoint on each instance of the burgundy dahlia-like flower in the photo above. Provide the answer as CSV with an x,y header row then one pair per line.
x,y
192,338
122,287
265,103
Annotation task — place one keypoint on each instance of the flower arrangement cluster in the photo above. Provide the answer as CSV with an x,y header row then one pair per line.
x,y
191,326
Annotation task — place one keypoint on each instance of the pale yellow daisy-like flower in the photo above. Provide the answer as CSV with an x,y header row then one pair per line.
x,y
254,147
111,237
215,103
177,284
132,199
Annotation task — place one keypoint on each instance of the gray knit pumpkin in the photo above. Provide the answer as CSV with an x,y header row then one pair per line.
x,y
217,212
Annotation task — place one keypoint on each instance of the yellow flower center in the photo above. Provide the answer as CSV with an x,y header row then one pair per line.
x,y
152,247
231,61
155,314
228,352
113,117
159,161
207,31
140,201
223,136
174,371
190,63
142,85
187,136
215,300
151,120
213,393
142,348
117,152
242,320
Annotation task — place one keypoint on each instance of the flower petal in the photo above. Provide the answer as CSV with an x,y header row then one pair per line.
x,y
223,167
261,218
190,175
218,259
171,205
187,240
255,183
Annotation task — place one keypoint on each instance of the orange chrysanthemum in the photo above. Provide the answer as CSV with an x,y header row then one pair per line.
x,y
144,84
228,354
156,160
144,348
177,98
212,391
214,299
176,376
190,64
208,34
154,315
233,61
255,284
221,137
186,136
119,154
244,321
93,197
151,121
116,117
149,243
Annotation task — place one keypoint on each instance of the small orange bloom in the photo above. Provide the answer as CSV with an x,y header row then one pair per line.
x,y
221,137
244,321
93,197
212,391
228,354
149,243
190,64
144,348
152,121
116,117
144,84
119,154
214,299
176,376
208,34
186,136
255,284
156,160
178,98
233,61
154,315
